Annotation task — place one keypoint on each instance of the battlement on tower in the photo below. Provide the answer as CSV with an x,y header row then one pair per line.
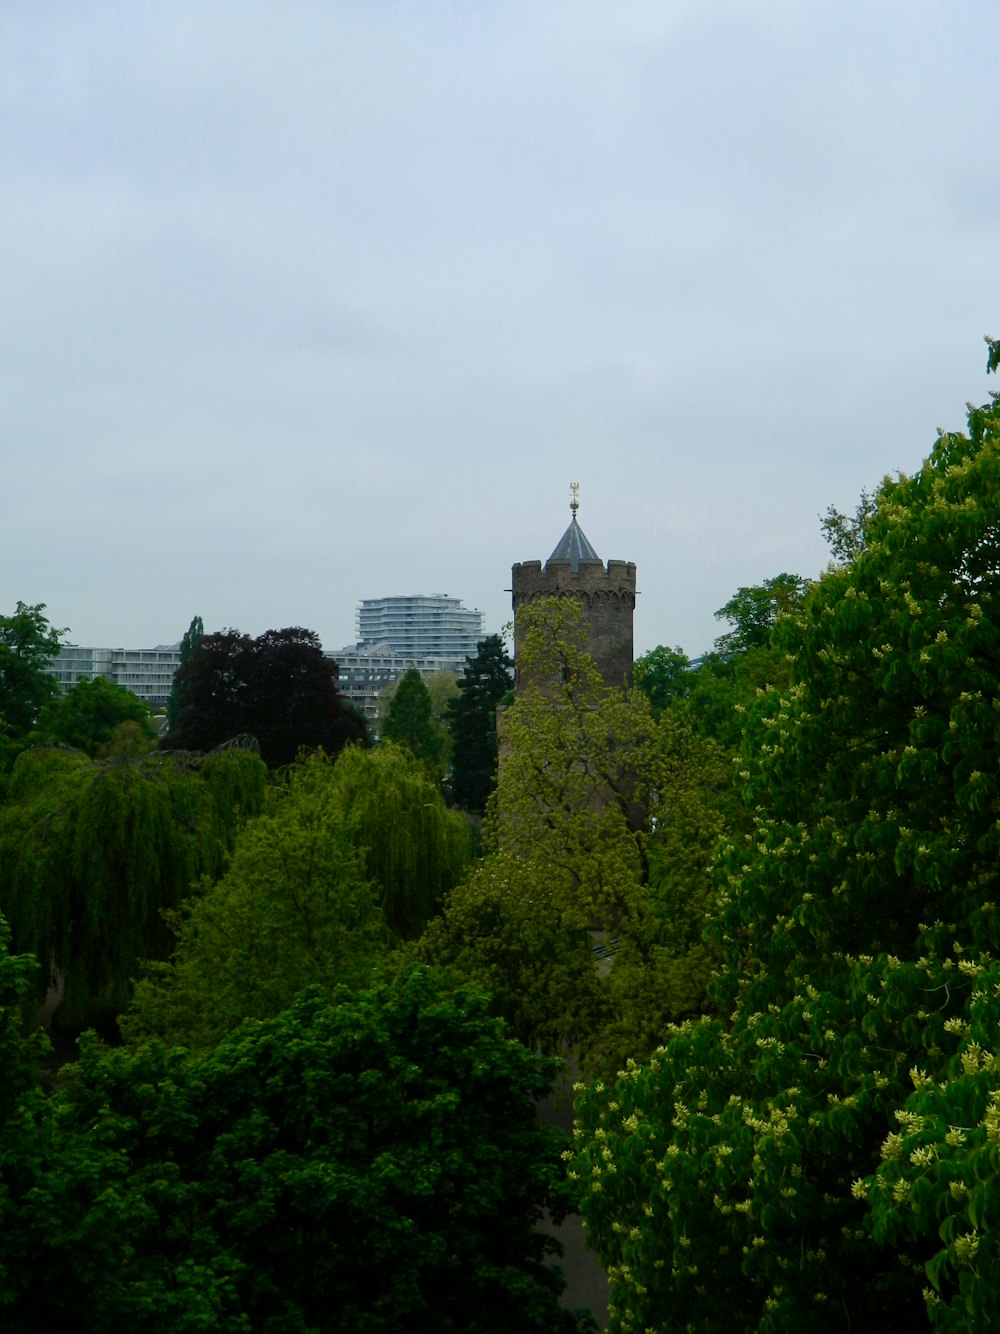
x,y
606,594
533,579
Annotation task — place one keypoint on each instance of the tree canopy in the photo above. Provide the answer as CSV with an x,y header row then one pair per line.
x,y
823,1153
413,847
485,681
89,716
578,766
716,693
25,1123
348,857
753,612
294,909
192,636
372,1164
442,686
600,830
663,675
279,688
409,721
28,643
92,851
846,533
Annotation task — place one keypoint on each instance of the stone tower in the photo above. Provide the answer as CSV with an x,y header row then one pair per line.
x,y
605,592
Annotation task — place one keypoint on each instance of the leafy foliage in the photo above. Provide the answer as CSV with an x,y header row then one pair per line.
x,y
578,766
725,687
819,1156
846,533
409,722
347,857
192,636
753,612
28,643
92,851
600,829
293,910
442,686
413,847
370,1165
473,721
663,675
89,715
278,688
24,1119
716,692
508,927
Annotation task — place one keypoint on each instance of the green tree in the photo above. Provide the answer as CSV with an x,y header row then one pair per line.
x,y
28,643
294,909
485,681
371,1164
442,687
579,767
746,661
600,830
825,1150
753,612
25,1121
663,675
725,688
508,928
413,847
847,533
409,721
92,851
279,688
193,636
89,715
347,857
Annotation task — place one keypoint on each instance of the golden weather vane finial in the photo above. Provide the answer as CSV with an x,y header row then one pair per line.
x,y
574,497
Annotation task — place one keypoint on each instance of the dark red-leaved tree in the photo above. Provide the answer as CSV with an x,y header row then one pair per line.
x,y
278,688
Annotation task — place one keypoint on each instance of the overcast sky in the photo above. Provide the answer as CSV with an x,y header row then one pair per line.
x,y
305,303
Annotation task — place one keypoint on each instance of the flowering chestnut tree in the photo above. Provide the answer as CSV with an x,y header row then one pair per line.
x,y
823,1154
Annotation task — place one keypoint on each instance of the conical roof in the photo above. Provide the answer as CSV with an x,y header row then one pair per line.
x,y
573,545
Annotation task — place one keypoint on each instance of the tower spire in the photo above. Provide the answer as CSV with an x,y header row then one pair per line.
x,y
606,595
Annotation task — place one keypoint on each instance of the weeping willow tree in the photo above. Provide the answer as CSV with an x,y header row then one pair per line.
x,y
348,855
294,909
413,847
93,851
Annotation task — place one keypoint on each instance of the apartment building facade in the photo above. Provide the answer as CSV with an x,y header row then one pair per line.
x,y
147,672
432,632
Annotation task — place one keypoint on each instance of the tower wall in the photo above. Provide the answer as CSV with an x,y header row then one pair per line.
x,y
606,595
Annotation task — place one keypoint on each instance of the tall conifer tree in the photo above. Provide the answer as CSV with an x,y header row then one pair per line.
x,y
473,720
410,721
192,637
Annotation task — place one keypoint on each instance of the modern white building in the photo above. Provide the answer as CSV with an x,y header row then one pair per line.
x,y
147,672
430,632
